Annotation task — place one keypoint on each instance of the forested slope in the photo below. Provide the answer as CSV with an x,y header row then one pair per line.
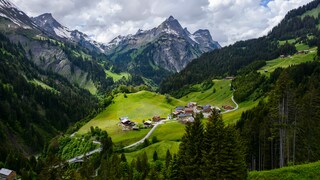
x,y
229,60
35,105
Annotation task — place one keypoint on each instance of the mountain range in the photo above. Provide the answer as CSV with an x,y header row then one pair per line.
x,y
169,45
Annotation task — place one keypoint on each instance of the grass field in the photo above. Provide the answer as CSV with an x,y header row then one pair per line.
x,y
289,61
42,84
117,77
170,131
160,147
233,117
221,97
299,172
138,107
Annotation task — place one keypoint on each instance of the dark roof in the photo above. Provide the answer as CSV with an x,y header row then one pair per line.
x,y
179,108
184,115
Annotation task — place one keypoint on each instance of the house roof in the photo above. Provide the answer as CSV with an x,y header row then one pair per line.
x,y
5,171
185,115
179,108
206,107
148,122
188,109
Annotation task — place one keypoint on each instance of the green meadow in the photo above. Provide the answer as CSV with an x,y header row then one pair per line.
x,y
138,106
288,61
299,172
218,95
160,147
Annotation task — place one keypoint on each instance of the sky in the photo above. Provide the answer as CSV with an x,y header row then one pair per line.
x,y
227,20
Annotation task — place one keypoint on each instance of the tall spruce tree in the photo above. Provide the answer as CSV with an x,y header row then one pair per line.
x,y
213,145
190,152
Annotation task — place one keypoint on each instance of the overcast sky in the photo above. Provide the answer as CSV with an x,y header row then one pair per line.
x,y
227,20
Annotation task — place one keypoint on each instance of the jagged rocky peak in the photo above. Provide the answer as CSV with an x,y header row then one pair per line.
x,y
171,26
46,19
11,12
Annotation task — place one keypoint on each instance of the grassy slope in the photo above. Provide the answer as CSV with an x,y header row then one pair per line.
x,y
117,77
221,97
233,117
286,62
306,171
314,12
160,147
138,107
170,131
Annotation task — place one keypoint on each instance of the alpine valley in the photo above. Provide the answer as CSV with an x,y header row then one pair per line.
x,y
162,103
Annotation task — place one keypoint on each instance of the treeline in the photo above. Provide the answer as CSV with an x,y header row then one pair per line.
x,y
29,114
285,129
221,63
293,25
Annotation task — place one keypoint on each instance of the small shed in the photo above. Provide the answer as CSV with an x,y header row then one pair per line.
x,y
147,124
7,174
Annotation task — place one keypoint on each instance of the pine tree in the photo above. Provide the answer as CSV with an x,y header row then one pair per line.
x,y
168,158
155,156
190,152
123,158
174,171
213,145
232,164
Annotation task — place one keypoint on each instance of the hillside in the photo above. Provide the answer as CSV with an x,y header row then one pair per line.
x,y
229,60
137,107
305,171
35,105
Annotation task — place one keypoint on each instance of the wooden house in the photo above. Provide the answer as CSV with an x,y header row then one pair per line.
x,y
7,174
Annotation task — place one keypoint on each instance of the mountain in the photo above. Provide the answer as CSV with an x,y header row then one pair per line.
x,y
10,11
169,46
44,85
53,28
300,26
56,50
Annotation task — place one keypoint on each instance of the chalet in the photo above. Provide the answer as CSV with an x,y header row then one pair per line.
x,y
135,128
7,174
157,118
126,123
230,78
185,118
207,109
188,110
192,104
216,108
179,108
227,107
147,124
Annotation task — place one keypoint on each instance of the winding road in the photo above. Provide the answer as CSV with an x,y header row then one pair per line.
x,y
79,158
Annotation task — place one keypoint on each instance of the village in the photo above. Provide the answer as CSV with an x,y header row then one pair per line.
x,y
182,114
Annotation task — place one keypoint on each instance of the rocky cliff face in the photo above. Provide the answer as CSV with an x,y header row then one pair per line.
x,y
53,28
171,46
34,35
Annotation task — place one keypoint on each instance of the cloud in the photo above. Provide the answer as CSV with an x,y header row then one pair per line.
x,y
227,20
